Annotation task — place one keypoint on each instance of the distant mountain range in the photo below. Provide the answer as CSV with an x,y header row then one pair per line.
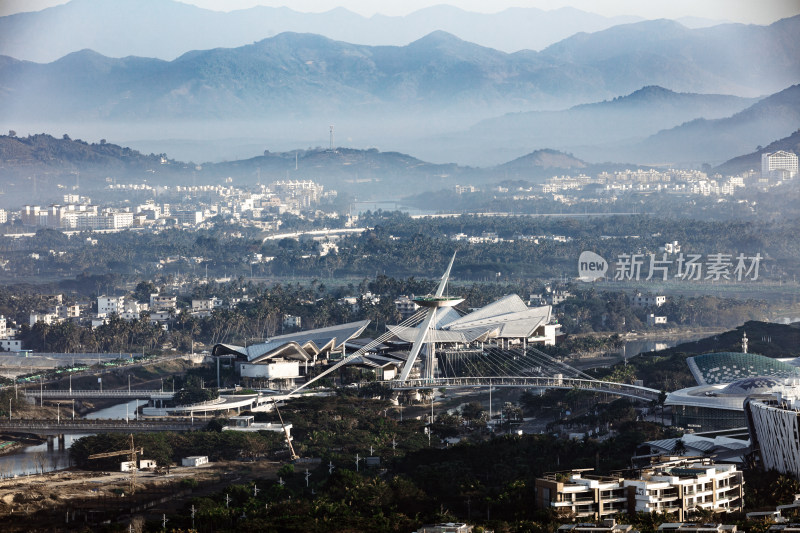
x,y
594,129
166,29
440,97
303,75
708,140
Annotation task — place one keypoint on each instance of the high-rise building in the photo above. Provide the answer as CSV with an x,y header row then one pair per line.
x,y
780,165
774,424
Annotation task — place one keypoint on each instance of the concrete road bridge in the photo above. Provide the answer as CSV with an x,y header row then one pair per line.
x,y
74,394
46,427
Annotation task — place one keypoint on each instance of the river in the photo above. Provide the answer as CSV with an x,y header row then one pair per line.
x,y
32,459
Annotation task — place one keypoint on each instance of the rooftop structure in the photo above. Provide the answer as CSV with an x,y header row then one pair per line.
x,y
724,380
284,358
507,318
695,445
727,367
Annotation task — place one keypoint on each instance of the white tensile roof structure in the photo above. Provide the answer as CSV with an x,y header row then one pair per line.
x,y
303,345
507,318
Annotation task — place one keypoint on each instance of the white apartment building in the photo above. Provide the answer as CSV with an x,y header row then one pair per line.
x,y
132,310
653,319
405,306
291,321
191,218
582,495
684,486
107,305
204,306
678,486
65,312
7,341
647,300
45,318
162,303
779,165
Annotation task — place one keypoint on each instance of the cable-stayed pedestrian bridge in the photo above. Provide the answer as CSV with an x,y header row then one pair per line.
x,y
487,348
533,382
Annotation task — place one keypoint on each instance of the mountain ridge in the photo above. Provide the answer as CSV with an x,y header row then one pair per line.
x,y
325,75
166,29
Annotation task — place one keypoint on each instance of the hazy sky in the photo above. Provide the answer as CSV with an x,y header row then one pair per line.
x,y
747,11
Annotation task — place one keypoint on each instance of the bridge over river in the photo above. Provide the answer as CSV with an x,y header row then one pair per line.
x,y
46,427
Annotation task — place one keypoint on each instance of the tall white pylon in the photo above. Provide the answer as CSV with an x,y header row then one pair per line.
x,y
424,337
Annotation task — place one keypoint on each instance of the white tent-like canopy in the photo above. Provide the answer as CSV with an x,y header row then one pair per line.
x,y
303,345
507,318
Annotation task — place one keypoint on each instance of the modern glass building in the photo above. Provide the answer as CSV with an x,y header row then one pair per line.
x,y
725,380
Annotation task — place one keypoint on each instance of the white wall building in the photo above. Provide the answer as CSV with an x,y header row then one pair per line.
x,y
406,306
774,428
779,165
162,303
107,305
677,486
194,460
685,486
653,319
291,321
206,304
274,369
647,300
7,342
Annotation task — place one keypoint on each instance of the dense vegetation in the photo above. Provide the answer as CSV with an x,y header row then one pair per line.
x,y
484,480
400,246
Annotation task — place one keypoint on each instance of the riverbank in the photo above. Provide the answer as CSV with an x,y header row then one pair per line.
x,y
9,445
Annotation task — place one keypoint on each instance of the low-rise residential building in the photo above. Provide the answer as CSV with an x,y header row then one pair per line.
x,y
44,318
107,305
685,486
678,486
206,305
162,303
7,333
581,495
292,321
653,319
406,306
648,300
